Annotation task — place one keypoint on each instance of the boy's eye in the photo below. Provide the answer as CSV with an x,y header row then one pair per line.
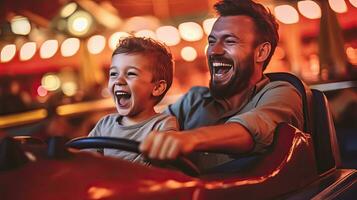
x,y
132,74
113,73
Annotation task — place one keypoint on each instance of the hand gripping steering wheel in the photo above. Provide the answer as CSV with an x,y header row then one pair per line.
x,y
180,163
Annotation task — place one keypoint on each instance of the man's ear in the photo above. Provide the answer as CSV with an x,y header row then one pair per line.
x,y
262,52
159,88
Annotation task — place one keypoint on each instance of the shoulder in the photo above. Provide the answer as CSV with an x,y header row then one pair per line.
x,y
108,119
165,122
280,88
197,93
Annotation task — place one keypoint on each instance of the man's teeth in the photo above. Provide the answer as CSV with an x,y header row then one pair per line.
x,y
120,93
219,64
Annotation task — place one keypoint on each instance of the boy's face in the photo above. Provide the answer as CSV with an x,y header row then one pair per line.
x,y
130,83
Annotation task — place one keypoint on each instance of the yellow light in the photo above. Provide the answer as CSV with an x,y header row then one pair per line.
x,y
48,49
208,24
309,9
20,25
190,31
146,33
115,37
70,47
352,55
27,51
50,82
168,35
96,44
286,14
68,10
8,52
188,54
338,6
69,88
79,23
354,3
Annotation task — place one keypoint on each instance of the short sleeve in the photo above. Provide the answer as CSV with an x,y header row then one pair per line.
x,y
280,103
169,123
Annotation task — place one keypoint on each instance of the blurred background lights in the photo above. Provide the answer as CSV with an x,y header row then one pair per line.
x,y
146,33
96,44
286,14
41,91
309,9
79,23
338,6
68,9
114,39
168,35
50,82
69,88
48,49
208,24
188,53
8,52
354,3
28,50
70,47
20,25
190,31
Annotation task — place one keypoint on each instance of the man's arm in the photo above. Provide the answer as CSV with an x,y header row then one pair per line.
x,y
229,138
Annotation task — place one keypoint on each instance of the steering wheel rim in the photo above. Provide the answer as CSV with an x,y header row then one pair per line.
x,y
181,163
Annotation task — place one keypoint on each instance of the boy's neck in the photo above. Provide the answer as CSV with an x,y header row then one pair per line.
x,y
137,118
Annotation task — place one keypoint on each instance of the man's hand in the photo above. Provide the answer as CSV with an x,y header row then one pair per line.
x,y
166,145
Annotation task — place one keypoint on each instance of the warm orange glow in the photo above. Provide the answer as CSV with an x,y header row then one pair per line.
x,y
8,52
79,23
115,37
146,33
352,55
279,53
286,14
168,35
309,9
27,51
69,88
208,24
188,54
190,31
50,82
70,47
96,44
99,193
48,49
338,6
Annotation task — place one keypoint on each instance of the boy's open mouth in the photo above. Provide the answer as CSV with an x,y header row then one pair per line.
x,y
221,69
123,98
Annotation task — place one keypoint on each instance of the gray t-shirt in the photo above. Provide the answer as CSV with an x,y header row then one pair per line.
x,y
110,126
269,104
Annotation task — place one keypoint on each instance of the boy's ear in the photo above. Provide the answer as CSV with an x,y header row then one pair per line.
x,y
262,52
159,88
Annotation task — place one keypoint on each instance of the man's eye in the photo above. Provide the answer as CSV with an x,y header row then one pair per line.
x,y
210,42
230,41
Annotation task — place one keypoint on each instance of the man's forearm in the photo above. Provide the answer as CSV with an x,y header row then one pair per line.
x,y
225,138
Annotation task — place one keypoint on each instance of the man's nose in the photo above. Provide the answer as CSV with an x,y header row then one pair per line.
x,y
216,49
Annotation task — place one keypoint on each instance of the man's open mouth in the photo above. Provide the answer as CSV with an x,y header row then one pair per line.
x,y
222,70
123,98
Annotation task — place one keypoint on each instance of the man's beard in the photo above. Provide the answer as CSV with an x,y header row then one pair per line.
x,y
237,83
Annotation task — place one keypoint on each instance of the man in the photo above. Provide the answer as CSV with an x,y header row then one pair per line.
x,y
240,110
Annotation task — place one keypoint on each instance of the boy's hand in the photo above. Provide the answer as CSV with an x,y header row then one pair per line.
x,y
166,145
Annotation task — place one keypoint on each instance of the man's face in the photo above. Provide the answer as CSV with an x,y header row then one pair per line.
x,y
230,55
130,83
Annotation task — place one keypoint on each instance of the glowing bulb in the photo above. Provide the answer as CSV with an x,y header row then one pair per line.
x,y
190,31
27,51
20,25
208,24
69,88
286,14
96,44
70,47
8,52
68,10
79,23
115,37
41,91
50,82
168,35
48,49
354,3
309,9
338,6
188,54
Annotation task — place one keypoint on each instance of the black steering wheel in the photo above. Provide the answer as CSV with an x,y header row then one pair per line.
x,y
181,163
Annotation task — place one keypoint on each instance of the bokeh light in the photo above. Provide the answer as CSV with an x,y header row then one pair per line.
x,y
190,31
69,88
79,23
48,49
7,53
70,47
208,24
146,33
50,82
338,6
286,14
115,37
309,9
20,25
96,44
41,91
68,9
28,50
188,54
168,35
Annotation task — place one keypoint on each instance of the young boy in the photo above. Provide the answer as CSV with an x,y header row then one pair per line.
x,y
140,75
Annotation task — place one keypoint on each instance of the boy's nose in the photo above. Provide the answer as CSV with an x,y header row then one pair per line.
x,y
120,81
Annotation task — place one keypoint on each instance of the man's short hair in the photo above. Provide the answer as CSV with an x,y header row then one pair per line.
x,y
267,27
162,61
